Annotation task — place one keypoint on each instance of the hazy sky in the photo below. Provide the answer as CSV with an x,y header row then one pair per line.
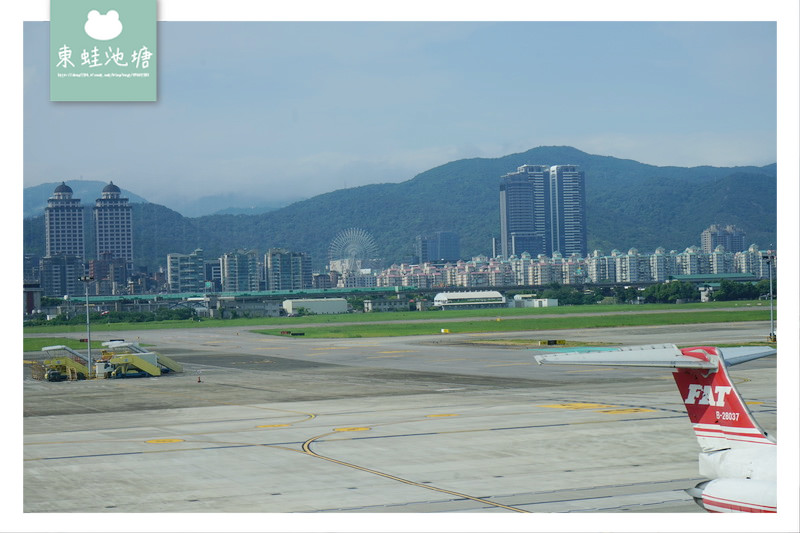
x,y
286,110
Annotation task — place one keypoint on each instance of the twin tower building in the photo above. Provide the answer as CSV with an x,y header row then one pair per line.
x,y
543,211
65,247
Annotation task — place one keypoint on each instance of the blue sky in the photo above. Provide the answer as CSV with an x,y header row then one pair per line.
x,y
281,110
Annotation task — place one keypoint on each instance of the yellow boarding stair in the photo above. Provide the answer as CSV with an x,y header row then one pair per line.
x,y
129,361
133,349
70,365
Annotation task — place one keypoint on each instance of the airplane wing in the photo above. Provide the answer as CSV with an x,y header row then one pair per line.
x,y
658,355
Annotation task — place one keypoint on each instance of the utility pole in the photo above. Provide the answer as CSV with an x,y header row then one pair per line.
x,y
86,280
769,257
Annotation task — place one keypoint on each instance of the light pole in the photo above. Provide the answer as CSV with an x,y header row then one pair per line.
x,y
86,280
769,257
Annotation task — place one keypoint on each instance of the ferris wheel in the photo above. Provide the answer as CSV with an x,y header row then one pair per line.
x,y
352,249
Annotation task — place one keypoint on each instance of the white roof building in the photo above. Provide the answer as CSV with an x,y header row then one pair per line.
x,y
470,299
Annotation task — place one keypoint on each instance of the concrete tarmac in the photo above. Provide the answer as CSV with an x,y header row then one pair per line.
x,y
264,424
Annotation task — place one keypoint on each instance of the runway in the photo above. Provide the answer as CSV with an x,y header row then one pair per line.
x,y
263,424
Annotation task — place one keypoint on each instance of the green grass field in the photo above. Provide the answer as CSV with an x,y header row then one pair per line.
x,y
380,317
526,324
35,344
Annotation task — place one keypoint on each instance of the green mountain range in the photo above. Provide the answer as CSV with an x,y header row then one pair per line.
x,y
629,205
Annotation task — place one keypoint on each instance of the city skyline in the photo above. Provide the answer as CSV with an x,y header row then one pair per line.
x,y
723,250
326,112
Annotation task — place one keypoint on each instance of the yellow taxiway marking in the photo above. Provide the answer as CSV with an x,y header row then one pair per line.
x,y
331,348
163,441
274,426
754,403
511,364
626,411
351,429
439,416
578,406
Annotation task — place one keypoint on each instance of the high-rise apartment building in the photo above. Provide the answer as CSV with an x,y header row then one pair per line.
x,y
524,211
287,270
438,247
186,272
729,237
63,224
239,271
60,275
113,225
567,210
110,274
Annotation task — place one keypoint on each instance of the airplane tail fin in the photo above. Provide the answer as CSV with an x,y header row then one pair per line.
x,y
719,416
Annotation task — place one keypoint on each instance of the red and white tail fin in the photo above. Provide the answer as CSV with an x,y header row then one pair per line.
x,y
719,416
737,454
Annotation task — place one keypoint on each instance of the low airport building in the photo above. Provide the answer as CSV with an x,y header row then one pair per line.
x,y
316,306
530,300
383,305
470,300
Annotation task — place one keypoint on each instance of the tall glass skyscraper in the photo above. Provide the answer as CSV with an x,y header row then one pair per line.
x,y
524,211
568,210
440,246
543,210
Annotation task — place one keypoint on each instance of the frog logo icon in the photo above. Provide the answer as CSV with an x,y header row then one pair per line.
x,y
103,27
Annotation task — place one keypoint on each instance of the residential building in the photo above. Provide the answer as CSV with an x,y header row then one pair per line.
x,y
730,237
601,268
63,224
110,274
213,276
186,272
692,262
287,270
632,267
357,278
663,265
321,281
239,271
60,276
752,261
720,262
113,225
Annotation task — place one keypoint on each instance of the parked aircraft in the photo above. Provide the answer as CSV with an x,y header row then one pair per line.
x,y
737,455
